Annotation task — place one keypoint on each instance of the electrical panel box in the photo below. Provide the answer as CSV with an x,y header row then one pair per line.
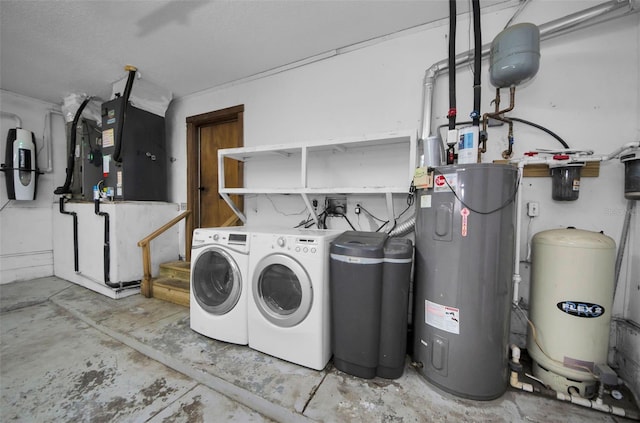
x,y
140,171
87,169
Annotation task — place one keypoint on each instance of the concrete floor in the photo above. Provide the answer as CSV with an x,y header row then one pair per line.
x,y
70,354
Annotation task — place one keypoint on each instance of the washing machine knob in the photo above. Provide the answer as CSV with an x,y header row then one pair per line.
x,y
281,242
216,237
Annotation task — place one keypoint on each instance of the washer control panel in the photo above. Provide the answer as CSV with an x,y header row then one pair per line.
x,y
295,244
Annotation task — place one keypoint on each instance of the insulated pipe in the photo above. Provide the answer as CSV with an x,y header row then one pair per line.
x,y
123,111
451,115
76,266
548,30
107,252
477,61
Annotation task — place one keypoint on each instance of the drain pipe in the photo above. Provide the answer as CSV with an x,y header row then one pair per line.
x,y
107,252
623,243
596,404
76,266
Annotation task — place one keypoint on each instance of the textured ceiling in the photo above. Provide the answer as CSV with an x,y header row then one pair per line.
x,y
49,49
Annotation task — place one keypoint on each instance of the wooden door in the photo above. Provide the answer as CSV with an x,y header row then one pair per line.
x,y
214,211
206,134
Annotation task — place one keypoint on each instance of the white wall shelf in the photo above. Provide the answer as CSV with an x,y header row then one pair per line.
x,y
305,155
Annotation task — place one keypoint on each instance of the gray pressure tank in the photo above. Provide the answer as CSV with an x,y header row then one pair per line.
x,y
514,55
464,263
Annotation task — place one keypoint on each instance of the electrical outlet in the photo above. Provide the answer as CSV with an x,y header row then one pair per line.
x,y
336,206
533,209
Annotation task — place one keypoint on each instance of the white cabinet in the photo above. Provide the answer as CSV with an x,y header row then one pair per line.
x,y
370,164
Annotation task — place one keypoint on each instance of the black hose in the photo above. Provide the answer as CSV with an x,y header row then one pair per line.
x,y
76,265
526,122
452,64
123,115
542,128
477,59
107,252
66,188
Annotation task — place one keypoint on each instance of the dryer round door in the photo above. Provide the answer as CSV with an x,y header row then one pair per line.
x,y
216,281
282,290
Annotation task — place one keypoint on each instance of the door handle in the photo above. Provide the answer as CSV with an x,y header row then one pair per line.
x,y
202,188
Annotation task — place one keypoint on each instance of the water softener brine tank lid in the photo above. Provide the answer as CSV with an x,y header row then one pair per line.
x,y
515,55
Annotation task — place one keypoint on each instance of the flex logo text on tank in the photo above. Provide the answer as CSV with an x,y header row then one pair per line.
x,y
580,309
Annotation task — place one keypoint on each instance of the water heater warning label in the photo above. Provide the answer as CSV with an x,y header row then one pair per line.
x,y
442,317
445,183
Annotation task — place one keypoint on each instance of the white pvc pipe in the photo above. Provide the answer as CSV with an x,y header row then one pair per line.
x,y
13,116
516,279
49,140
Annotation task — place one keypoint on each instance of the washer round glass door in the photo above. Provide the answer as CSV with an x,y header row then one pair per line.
x,y
282,290
216,281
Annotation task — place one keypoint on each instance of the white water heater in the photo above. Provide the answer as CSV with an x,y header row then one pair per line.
x,y
572,284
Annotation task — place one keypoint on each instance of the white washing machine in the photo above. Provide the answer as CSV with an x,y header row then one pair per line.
x,y
219,283
289,314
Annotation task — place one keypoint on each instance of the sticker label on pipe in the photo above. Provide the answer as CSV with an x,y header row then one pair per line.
x,y
442,317
445,183
465,215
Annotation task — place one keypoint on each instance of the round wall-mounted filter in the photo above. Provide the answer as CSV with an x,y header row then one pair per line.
x,y
631,175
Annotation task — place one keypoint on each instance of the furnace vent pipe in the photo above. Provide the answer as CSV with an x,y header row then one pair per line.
x,y
569,23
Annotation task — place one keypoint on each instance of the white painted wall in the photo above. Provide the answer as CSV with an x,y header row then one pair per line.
x,y
586,91
26,241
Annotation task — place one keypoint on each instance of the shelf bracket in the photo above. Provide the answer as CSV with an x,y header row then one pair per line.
x,y
233,206
314,216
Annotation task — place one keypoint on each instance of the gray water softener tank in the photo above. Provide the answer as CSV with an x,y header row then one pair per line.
x,y
355,281
464,263
394,308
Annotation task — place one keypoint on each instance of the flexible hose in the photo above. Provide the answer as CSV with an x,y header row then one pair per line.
x,y
117,152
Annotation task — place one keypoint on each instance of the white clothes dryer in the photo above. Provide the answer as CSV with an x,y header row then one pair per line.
x,y
219,283
289,315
